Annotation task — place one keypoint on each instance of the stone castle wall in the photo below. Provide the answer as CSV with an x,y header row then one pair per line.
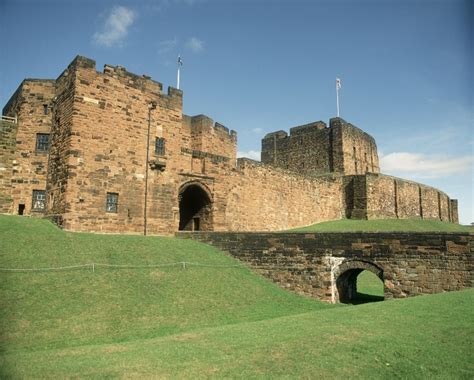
x,y
7,160
305,150
263,198
395,198
100,124
31,104
354,149
409,264
316,149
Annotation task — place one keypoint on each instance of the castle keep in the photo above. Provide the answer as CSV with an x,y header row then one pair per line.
x,y
110,152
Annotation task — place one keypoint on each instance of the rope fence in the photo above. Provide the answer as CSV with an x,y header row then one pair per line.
x,y
93,266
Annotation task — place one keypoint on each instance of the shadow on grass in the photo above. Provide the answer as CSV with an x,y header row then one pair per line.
x,y
362,298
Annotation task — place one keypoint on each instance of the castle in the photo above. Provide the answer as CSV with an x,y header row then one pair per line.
x,y
110,152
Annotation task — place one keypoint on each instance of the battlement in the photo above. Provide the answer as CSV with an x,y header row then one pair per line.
x,y
129,79
338,122
307,128
276,135
42,92
314,148
200,123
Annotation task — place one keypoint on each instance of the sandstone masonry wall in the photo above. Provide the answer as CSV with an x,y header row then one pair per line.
x,y
410,263
305,150
356,149
32,106
262,198
315,149
395,198
124,159
7,158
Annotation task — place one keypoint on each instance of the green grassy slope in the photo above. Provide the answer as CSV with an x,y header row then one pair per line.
x,y
73,307
384,225
419,338
200,322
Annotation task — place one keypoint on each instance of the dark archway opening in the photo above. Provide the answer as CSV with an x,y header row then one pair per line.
x,y
195,209
357,286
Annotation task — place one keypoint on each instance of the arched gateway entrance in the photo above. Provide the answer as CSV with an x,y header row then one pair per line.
x,y
195,208
347,278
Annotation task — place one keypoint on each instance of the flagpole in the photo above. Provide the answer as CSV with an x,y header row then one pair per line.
x,y
338,87
179,67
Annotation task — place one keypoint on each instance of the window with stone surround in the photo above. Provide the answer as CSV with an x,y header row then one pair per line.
x,y
160,146
45,109
112,202
42,142
39,200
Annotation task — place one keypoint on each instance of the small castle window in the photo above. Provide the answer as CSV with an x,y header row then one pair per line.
x,y
42,142
160,146
112,202
354,151
39,200
45,109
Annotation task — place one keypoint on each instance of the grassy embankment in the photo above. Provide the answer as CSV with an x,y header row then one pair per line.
x,y
385,225
215,321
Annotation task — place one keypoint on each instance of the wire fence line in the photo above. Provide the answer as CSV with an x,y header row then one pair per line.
x,y
93,266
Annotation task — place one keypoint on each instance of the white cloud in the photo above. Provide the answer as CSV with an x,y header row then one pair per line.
x,y
257,130
252,154
424,166
166,46
116,27
195,44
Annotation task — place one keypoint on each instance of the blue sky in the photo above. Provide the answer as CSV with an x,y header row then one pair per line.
x,y
258,66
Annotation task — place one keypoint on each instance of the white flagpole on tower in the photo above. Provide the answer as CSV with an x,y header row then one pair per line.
x,y
338,86
180,63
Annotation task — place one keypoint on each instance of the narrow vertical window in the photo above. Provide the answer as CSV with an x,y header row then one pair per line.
x,y
112,202
42,142
39,200
160,146
45,109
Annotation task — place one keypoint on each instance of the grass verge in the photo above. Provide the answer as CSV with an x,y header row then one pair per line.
x,y
202,322
384,225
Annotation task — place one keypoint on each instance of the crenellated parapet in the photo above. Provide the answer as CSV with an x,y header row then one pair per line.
x,y
316,149
210,137
353,151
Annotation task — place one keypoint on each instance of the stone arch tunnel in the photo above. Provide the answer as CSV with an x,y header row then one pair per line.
x,y
195,207
325,265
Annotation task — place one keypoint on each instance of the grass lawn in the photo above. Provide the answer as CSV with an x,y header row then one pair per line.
x,y
384,225
215,321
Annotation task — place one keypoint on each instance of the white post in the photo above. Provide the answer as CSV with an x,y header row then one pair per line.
x,y
338,86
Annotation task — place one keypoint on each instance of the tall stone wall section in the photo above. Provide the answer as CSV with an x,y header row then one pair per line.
x,y
262,198
30,165
410,264
354,151
59,175
395,198
7,159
